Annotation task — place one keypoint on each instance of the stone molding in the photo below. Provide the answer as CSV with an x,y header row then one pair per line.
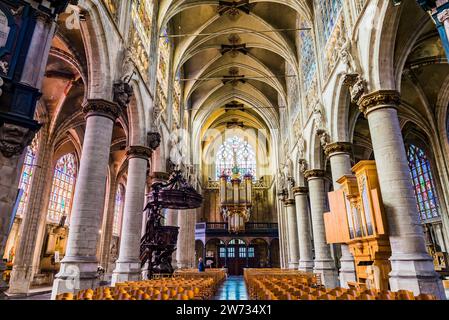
x,y
104,108
138,152
289,202
300,190
379,99
315,173
338,147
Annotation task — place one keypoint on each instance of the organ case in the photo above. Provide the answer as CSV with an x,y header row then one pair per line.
x,y
357,218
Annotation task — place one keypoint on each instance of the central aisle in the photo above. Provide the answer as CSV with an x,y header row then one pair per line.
x,y
234,288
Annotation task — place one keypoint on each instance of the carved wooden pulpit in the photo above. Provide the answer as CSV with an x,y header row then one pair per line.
x,y
357,218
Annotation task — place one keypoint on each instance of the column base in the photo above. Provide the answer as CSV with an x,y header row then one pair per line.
x,y
329,275
183,265
305,265
126,271
347,272
75,275
417,275
21,277
293,265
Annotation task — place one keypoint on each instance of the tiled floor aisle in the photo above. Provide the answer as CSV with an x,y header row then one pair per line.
x,y
234,288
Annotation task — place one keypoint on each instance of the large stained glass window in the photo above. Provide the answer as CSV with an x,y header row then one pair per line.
x,y
27,177
330,12
62,188
424,184
140,34
164,60
308,61
236,152
118,210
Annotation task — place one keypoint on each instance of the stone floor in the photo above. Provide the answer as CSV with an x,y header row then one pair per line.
x,y
234,288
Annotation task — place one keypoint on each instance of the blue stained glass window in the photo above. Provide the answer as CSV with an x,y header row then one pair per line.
x,y
426,196
329,11
235,151
118,210
308,60
62,188
26,178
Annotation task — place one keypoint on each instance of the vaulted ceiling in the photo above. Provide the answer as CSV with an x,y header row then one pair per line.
x,y
230,54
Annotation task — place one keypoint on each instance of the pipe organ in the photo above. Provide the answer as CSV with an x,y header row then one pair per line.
x,y
236,199
357,218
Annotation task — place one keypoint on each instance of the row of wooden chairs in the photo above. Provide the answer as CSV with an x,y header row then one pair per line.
x,y
177,288
290,286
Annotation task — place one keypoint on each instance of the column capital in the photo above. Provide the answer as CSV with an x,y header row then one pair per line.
x,y
314,173
138,152
338,147
289,202
379,99
300,190
101,107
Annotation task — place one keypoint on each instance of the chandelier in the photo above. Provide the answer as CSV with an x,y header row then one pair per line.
x,y
236,199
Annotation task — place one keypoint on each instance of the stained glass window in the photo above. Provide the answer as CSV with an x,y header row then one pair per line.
x,y
27,177
308,61
424,184
62,188
140,34
164,60
330,12
235,152
118,210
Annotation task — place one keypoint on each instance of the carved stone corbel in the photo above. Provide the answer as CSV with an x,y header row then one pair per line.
x,y
14,139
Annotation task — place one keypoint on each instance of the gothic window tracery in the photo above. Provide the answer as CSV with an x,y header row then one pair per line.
x,y
140,34
235,151
26,177
62,188
424,184
118,210
164,60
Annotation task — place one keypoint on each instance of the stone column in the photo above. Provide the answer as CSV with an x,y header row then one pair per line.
x,y
24,266
282,254
186,238
304,235
412,267
108,223
128,267
79,267
324,264
10,169
339,154
292,234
